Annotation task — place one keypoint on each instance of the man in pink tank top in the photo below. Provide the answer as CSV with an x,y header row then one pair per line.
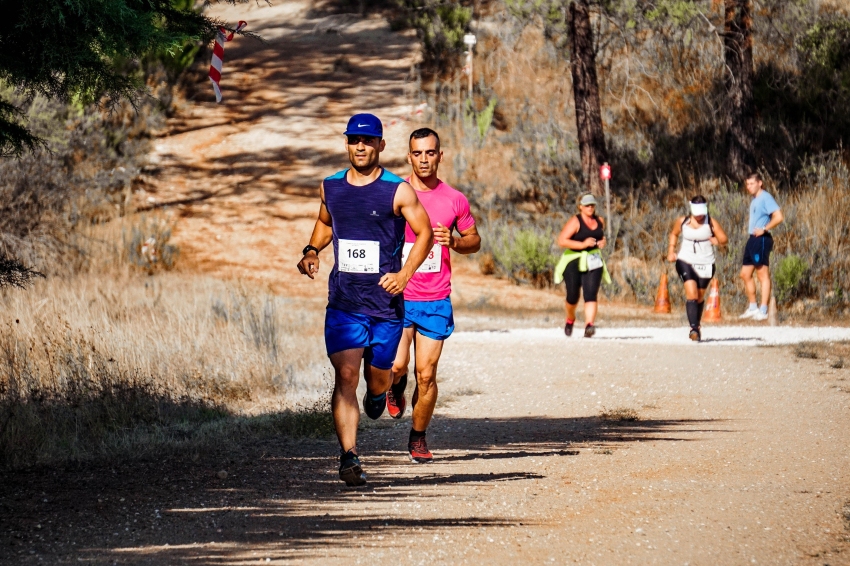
x,y
428,309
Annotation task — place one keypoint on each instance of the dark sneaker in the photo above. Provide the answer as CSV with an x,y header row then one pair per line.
x,y
694,335
419,453
568,328
350,471
589,331
395,407
374,408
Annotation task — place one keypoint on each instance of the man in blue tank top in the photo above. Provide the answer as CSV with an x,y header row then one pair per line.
x,y
363,213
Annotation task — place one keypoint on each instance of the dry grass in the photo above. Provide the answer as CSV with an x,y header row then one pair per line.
x,y
620,414
831,354
113,365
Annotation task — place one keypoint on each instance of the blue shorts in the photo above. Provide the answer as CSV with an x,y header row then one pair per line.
x,y
433,319
757,250
379,337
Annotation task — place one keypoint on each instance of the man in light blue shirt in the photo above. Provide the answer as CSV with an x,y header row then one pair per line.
x,y
764,216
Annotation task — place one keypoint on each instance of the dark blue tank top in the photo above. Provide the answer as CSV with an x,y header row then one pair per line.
x,y
365,213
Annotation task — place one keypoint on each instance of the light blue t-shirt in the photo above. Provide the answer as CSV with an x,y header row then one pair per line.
x,y
760,210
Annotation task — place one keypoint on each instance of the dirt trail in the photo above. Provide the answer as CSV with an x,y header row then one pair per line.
x,y
242,176
739,456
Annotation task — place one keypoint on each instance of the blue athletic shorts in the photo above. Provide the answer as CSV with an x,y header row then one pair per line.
x,y
757,250
433,319
379,337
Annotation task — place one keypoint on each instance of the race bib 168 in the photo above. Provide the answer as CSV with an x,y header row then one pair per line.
x,y
359,256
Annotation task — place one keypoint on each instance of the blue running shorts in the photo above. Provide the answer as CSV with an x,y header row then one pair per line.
x,y
379,337
757,250
433,319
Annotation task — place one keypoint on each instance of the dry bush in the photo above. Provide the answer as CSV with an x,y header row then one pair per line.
x,y
109,366
620,414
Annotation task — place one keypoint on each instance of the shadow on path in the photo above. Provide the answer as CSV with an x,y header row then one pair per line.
x,y
282,499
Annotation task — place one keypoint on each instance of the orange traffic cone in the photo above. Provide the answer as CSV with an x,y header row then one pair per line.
x,y
662,297
712,303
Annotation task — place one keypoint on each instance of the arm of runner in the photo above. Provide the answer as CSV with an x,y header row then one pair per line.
x,y
407,204
673,238
569,230
322,236
601,243
720,238
468,243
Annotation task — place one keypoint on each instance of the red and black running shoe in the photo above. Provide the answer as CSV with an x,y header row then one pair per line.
x,y
395,398
419,453
589,331
395,406
568,328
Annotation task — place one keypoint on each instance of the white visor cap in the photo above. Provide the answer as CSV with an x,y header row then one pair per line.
x,y
699,209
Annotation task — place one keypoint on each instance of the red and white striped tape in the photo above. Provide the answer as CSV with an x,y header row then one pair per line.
x,y
221,38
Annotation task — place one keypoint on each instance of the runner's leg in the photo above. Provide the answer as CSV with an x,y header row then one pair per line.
x,y
427,351
572,281
346,410
402,357
692,290
590,283
749,284
378,380
763,274
396,402
692,304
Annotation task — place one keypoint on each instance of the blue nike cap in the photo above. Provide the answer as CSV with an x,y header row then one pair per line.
x,y
365,125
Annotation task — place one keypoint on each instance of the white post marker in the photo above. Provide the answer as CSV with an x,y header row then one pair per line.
x,y
605,175
469,40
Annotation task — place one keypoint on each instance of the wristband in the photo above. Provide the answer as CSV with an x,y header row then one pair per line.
x,y
308,248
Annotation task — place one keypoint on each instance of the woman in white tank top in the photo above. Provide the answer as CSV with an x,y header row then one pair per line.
x,y
695,260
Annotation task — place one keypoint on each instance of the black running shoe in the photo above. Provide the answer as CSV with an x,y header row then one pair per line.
x,y
374,407
350,471
589,331
568,328
695,335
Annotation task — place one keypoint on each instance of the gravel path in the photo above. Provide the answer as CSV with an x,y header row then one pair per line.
x,y
738,455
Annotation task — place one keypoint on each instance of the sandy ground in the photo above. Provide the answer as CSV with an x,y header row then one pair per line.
x,y
739,456
737,453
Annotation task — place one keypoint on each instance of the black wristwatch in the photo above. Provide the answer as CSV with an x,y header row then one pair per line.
x,y
308,248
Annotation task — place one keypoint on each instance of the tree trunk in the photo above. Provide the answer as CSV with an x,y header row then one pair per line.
x,y
591,139
738,44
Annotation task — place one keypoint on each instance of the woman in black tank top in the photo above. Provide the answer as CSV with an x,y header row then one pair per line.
x,y
583,232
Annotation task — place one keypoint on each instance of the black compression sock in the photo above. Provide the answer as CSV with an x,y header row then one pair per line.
x,y
416,435
701,307
398,388
692,308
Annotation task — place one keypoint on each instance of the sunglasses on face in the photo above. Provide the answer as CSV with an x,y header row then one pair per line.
x,y
356,140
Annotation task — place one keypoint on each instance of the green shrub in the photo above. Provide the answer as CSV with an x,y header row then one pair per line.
x,y
440,26
526,255
790,278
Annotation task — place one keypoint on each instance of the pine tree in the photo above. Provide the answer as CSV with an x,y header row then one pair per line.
x,y
80,49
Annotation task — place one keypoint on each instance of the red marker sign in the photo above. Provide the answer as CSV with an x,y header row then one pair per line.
x,y
605,172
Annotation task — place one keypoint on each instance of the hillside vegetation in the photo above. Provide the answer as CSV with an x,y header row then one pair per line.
x,y
664,84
